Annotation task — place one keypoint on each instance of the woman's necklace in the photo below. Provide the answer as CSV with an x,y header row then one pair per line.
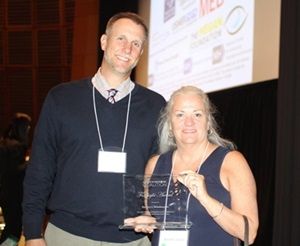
x,y
194,166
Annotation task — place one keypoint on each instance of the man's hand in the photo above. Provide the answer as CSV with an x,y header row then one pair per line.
x,y
143,223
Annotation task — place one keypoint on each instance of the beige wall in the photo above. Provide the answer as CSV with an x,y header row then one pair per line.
x,y
266,40
142,68
85,38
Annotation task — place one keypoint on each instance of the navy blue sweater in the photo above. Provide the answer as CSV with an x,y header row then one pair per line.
x,y
62,174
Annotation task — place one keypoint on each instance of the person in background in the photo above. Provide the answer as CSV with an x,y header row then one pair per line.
x,y
89,133
14,147
207,177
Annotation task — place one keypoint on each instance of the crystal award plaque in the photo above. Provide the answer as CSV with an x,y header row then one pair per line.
x,y
158,196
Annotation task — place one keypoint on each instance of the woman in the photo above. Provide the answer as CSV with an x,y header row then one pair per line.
x,y
206,172
13,155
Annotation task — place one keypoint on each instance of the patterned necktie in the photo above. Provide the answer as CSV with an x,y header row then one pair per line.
x,y
111,95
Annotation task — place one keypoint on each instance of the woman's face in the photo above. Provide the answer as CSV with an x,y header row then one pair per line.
x,y
189,119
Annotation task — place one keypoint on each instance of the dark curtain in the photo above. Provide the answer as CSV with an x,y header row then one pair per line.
x,y
247,116
287,184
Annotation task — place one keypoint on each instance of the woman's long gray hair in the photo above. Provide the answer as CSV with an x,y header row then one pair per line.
x,y
166,138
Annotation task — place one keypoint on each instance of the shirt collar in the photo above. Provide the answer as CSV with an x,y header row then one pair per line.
x,y
102,85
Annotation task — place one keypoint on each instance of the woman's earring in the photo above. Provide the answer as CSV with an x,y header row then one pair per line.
x,y
209,131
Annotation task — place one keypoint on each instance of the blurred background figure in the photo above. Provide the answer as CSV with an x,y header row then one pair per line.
x,y
14,155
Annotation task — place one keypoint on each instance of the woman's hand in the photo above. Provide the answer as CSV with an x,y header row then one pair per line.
x,y
143,223
195,183
35,242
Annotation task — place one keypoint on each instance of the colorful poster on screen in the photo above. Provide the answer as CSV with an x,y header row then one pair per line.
x,y
207,43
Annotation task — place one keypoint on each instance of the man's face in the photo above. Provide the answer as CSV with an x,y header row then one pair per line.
x,y
122,46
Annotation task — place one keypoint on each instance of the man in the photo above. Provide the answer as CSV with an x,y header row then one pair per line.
x,y
89,133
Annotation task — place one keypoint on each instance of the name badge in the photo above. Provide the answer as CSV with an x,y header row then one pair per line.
x,y
173,238
111,162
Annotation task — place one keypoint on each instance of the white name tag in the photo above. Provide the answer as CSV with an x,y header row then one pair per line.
x,y
111,162
173,238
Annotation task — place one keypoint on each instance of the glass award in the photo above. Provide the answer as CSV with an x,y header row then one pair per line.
x,y
158,196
